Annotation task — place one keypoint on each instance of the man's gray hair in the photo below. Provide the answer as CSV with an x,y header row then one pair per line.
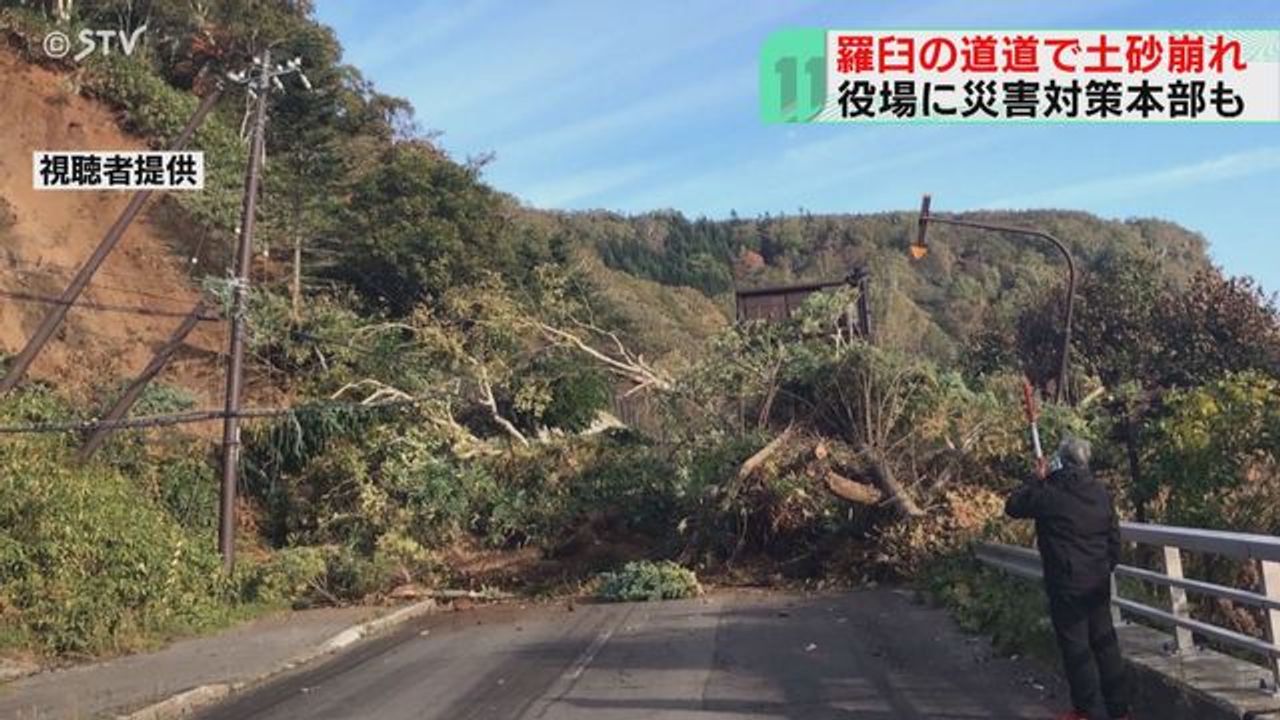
x,y
1074,451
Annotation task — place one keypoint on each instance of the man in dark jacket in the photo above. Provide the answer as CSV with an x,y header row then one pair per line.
x,y
1079,541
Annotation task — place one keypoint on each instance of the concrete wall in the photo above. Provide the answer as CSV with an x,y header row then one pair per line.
x,y
1202,685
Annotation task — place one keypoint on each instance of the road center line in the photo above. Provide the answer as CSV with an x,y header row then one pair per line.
x,y
564,685
580,665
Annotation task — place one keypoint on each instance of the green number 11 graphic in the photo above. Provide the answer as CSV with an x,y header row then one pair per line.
x,y
815,69
793,75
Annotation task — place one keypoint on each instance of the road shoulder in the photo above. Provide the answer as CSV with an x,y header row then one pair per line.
x,y
191,673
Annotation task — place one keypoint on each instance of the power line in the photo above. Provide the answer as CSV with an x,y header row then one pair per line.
x,y
106,307
95,286
335,343
21,362
47,266
147,421
196,416
77,329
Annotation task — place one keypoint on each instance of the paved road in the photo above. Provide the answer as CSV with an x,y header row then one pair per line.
x,y
237,655
870,655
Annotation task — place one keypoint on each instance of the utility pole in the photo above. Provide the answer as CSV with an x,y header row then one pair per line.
x,y
262,78
131,394
49,325
261,84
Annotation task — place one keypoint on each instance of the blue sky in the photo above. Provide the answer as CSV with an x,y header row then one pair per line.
x,y
632,106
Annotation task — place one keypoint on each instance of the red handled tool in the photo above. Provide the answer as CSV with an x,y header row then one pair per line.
x,y
1033,414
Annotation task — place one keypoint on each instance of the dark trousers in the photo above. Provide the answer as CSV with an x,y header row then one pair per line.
x,y
1090,651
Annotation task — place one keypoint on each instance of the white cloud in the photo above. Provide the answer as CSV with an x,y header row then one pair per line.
x,y
409,36
615,125
1149,182
574,187
559,62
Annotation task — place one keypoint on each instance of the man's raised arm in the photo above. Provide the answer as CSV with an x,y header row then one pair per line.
x,y
1027,501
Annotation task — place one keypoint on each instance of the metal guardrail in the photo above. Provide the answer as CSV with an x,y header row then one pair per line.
x,y
1264,549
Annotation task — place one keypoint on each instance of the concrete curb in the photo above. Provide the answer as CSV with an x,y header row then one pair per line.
x,y
184,702
189,701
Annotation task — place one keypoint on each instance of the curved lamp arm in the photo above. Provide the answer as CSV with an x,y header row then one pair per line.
x,y
1065,351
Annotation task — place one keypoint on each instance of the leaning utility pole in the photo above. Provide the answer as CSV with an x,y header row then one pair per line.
x,y
49,325
261,84
131,394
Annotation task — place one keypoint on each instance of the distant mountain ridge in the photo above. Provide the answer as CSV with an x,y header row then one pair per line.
x,y
967,277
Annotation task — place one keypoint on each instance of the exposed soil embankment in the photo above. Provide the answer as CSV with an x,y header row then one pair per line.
x,y
46,235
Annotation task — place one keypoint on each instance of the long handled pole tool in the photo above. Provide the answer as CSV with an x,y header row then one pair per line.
x,y
1033,416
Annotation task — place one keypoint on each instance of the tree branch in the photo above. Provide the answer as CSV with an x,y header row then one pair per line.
x,y
632,367
491,402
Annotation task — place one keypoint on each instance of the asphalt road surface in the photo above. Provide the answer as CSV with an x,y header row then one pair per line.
x,y
870,655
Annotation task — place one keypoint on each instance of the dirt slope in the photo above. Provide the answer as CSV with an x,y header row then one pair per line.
x,y
50,233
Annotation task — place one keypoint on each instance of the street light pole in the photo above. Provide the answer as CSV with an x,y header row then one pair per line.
x,y
920,248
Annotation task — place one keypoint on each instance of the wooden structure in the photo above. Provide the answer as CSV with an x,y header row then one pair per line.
x,y
779,302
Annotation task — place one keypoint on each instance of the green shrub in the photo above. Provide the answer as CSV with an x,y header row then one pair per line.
x,y
162,399
351,575
548,491
89,563
647,581
35,403
441,498
1216,452
286,577
305,575
290,466
187,486
561,391
154,109
1012,611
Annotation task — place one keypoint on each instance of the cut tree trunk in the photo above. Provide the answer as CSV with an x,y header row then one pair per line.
x,y
883,478
859,493
854,492
754,462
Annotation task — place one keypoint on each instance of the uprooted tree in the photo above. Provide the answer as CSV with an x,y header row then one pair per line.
x,y
876,427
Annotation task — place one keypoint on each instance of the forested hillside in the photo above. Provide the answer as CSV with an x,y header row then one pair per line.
x,y
969,279
446,381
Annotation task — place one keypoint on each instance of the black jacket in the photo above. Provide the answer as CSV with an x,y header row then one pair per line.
x,y
1076,528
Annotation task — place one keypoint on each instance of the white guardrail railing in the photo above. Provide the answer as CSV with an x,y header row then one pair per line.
x,y
1172,541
